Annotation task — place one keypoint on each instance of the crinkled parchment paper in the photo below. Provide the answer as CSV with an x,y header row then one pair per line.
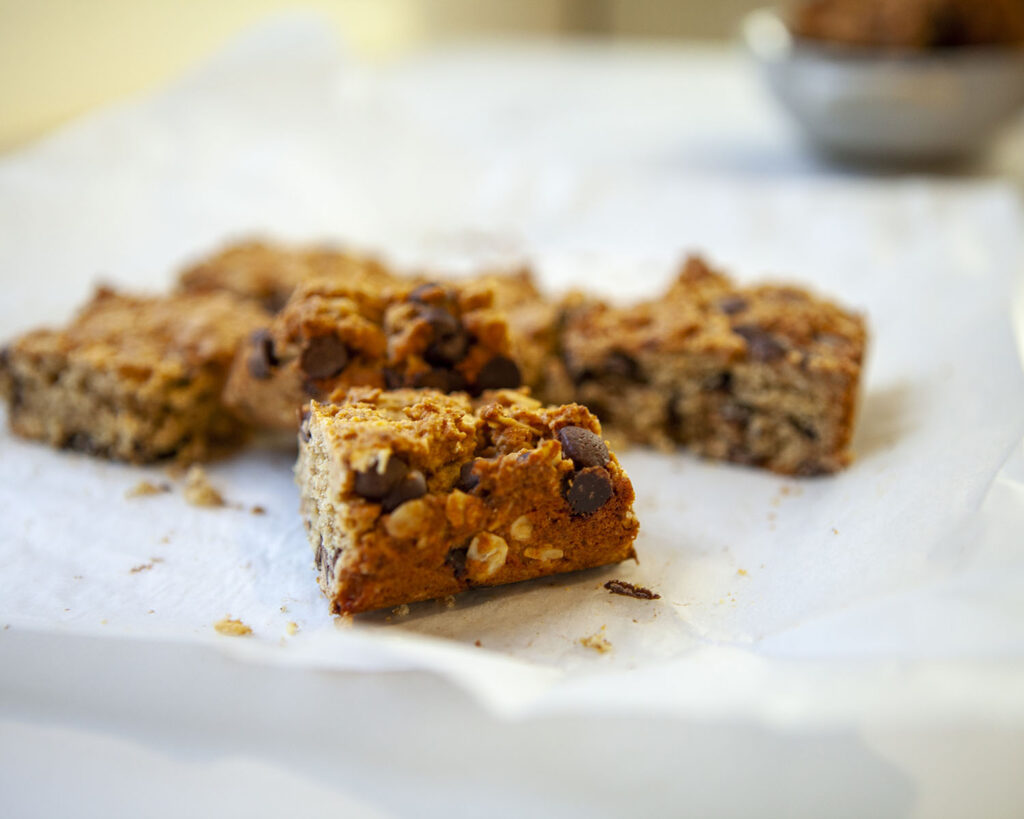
x,y
895,589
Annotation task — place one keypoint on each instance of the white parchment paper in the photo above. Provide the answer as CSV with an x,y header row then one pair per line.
x,y
894,590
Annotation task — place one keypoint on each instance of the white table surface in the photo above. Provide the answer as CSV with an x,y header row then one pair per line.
x,y
98,727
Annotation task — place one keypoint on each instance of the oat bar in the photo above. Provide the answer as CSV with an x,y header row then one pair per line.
x,y
330,337
413,494
766,375
132,378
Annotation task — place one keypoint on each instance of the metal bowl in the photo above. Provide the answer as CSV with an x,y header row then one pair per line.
x,y
877,105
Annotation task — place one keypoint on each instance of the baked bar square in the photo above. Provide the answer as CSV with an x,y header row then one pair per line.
x,y
766,376
131,378
409,495
332,336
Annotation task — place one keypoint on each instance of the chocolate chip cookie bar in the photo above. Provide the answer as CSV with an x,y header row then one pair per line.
x,y
766,376
269,273
331,336
409,495
132,378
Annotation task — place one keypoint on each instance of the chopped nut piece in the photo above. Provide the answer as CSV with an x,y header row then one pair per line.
x,y
292,628
543,554
597,642
487,554
521,528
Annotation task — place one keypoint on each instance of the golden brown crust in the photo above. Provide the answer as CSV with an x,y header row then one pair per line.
x,y
495,504
134,378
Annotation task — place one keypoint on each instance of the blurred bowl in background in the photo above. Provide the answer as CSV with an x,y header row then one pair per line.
x,y
884,106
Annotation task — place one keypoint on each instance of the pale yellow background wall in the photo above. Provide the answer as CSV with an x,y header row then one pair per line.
x,y
59,58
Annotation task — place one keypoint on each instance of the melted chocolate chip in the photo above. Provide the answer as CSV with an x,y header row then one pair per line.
x,y
323,357
412,486
588,490
451,342
731,305
468,479
440,379
262,359
761,346
375,484
583,447
499,372
456,560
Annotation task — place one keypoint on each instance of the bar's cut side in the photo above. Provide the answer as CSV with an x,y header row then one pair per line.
x,y
766,376
131,378
331,337
410,495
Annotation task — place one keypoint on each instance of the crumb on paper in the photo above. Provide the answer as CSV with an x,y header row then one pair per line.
x,y
103,622
284,609
145,567
145,488
400,611
198,489
597,642
232,628
291,628
77,577
449,601
8,626
258,510
835,531
741,572
165,539
478,644
630,590
151,611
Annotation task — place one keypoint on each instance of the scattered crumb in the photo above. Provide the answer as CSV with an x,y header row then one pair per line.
x,y
198,489
67,609
478,644
144,488
103,622
145,567
597,642
9,625
400,611
772,516
741,572
151,611
165,539
835,531
258,510
284,609
77,577
292,628
232,628
629,590
449,601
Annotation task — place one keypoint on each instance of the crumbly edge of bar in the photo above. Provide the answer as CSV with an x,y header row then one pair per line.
x,y
69,403
349,537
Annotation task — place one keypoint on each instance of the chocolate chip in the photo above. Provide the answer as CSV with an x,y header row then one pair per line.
x,y
583,447
440,379
622,365
451,342
731,305
588,490
468,479
629,590
423,293
412,486
499,372
456,560
761,346
374,484
323,357
262,358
